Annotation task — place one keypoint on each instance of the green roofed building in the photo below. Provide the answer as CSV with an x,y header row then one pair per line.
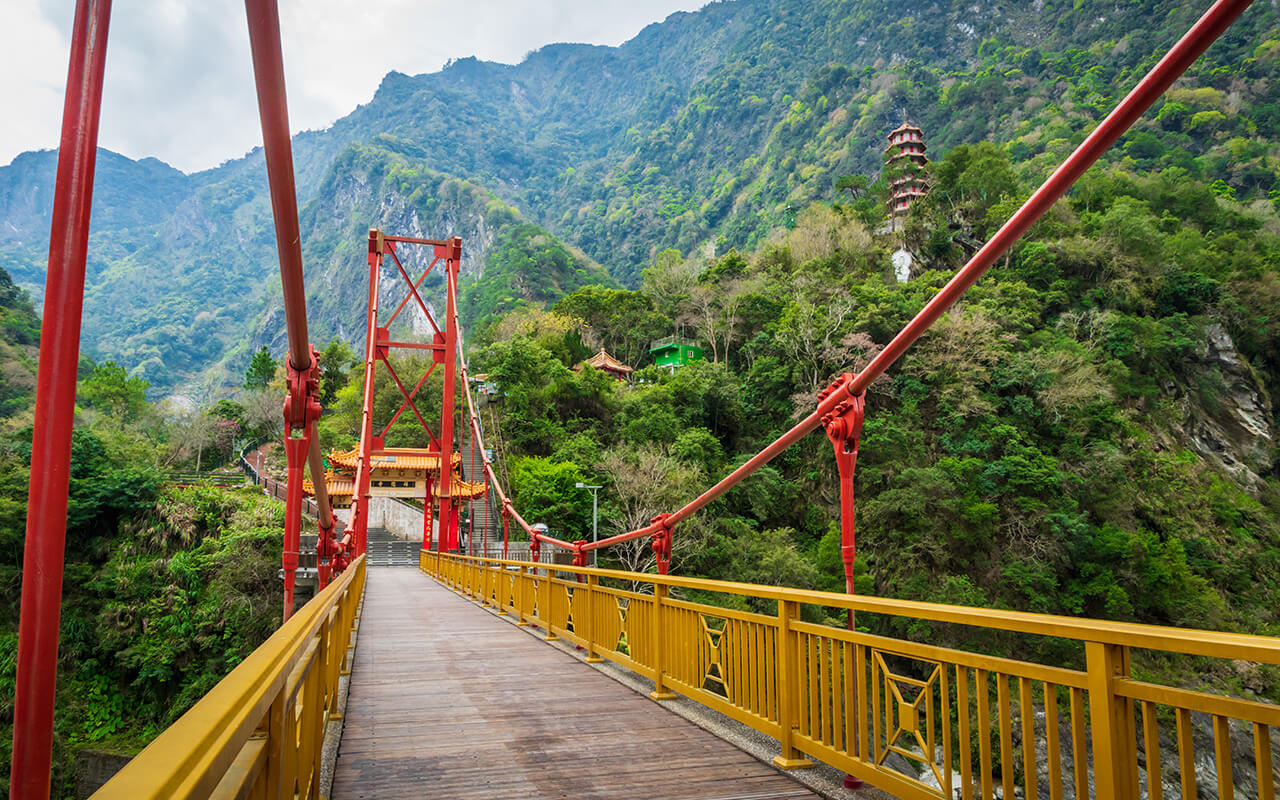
x,y
674,352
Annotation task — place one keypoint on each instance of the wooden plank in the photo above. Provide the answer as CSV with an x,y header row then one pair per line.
x,y
448,700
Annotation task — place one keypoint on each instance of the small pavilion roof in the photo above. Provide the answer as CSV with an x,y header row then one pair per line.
x,y
604,361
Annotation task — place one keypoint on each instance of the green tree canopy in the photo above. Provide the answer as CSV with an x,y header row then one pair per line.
x,y
111,390
261,370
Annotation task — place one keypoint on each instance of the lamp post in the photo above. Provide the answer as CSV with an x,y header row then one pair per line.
x,y
595,506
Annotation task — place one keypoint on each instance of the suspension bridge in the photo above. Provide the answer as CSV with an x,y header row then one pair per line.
x,y
429,687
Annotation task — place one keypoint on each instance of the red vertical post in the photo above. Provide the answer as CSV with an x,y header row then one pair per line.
x,y
55,407
448,504
295,456
488,511
426,515
360,499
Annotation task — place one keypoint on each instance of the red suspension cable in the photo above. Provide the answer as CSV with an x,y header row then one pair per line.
x,y
42,562
302,407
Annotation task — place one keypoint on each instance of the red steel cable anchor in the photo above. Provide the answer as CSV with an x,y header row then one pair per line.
x,y
301,410
506,529
660,540
327,549
844,428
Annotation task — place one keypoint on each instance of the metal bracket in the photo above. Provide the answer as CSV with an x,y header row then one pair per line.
x,y
660,541
844,428
302,401
301,409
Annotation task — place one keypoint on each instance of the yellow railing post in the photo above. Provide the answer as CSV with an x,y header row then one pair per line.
x,y
544,605
518,597
274,731
788,689
657,632
1111,721
590,623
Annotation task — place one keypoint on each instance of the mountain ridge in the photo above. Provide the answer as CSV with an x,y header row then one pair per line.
x,y
704,131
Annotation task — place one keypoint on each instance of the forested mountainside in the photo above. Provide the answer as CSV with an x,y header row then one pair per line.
x,y
707,130
19,343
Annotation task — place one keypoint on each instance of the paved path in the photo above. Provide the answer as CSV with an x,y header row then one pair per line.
x,y
449,701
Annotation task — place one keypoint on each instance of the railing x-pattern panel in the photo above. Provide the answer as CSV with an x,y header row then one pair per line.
x,y
918,720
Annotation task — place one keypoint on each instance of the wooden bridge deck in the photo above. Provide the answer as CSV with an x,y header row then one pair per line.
x,y
448,701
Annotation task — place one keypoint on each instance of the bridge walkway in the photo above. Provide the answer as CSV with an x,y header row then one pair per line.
x,y
447,700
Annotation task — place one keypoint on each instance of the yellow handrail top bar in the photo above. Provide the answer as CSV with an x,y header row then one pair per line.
x,y
1192,641
191,756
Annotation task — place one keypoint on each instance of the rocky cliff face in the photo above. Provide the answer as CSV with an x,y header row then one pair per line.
x,y
1229,420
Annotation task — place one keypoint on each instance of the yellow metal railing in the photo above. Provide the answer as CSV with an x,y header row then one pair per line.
x,y
260,731
917,720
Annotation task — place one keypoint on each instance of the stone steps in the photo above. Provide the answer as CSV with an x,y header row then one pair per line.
x,y
388,550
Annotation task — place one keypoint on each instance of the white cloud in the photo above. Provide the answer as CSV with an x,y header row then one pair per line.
x,y
179,82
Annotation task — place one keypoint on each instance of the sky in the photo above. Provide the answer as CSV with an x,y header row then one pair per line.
x,y
179,81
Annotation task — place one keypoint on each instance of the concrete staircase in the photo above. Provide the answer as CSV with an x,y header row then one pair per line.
x,y
385,549
483,511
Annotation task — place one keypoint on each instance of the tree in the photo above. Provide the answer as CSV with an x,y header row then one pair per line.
x,y
644,482
623,322
262,412
670,280
855,185
546,491
261,370
703,312
336,361
195,430
808,333
111,390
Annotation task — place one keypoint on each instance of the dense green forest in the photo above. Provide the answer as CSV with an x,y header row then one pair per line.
x,y
165,589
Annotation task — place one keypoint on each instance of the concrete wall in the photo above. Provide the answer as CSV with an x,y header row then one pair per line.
x,y
94,768
397,516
